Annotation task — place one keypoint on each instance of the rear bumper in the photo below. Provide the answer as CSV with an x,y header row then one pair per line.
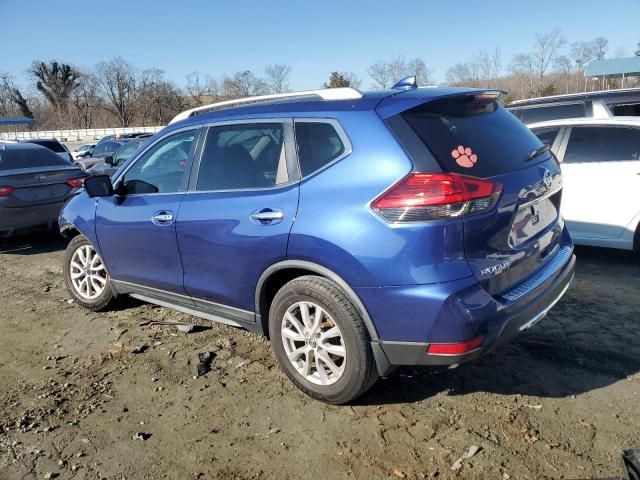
x,y
28,218
470,313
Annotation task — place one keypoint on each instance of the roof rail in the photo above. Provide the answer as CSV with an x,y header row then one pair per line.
x,y
595,93
345,93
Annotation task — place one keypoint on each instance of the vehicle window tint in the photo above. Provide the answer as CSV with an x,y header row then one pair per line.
x,y
546,135
162,168
626,110
29,157
318,145
602,144
556,112
243,156
50,144
473,137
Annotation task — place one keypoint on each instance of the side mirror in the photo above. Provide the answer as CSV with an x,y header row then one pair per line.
x,y
99,186
109,160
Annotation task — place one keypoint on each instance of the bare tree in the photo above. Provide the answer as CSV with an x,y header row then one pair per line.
x,y
243,84
277,77
418,68
158,100
620,52
582,54
522,66
55,81
379,73
600,46
385,74
199,89
86,99
459,74
564,66
545,50
118,84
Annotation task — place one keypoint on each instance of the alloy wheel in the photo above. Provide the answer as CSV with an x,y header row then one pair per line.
x,y
88,275
313,343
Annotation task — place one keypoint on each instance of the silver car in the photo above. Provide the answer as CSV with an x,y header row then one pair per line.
x,y
34,184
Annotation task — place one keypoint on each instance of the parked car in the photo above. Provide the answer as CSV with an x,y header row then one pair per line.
x,y
603,104
600,161
99,152
110,164
82,151
54,145
358,231
34,183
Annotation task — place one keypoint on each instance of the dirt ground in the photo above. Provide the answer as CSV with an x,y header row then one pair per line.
x,y
75,387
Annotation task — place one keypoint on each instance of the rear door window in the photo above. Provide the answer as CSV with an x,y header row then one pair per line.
x,y
243,156
319,144
603,144
472,137
556,112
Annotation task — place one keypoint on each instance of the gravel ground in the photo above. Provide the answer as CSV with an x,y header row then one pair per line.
x,y
76,387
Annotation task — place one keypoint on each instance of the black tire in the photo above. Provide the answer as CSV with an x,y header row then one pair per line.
x,y
102,301
359,372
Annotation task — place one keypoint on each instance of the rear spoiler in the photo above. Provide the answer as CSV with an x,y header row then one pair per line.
x,y
401,102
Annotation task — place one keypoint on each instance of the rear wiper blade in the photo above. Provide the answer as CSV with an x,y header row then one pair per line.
x,y
537,152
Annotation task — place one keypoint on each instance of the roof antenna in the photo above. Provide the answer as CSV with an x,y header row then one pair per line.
x,y
407,83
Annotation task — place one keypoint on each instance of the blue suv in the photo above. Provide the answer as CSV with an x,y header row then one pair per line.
x,y
359,231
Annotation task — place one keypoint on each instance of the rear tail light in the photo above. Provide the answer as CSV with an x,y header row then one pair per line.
x,y
5,191
454,348
76,182
420,197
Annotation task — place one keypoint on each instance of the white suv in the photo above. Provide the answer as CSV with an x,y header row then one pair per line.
x,y
600,161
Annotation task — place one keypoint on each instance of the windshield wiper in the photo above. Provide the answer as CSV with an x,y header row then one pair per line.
x,y
537,152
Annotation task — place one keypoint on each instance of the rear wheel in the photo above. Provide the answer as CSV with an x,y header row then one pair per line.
x,y
86,276
320,340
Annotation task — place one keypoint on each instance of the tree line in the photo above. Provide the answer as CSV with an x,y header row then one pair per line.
x,y
115,93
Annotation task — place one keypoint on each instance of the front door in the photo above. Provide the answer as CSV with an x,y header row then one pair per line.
x,y
136,228
236,220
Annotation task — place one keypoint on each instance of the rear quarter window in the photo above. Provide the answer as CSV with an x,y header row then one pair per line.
x,y
51,145
546,135
480,139
319,144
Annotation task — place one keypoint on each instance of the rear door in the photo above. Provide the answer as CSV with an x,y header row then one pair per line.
x,y
601,168
235,221
470,134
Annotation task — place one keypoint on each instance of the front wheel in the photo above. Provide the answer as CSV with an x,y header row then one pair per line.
x,y
86,276
320,340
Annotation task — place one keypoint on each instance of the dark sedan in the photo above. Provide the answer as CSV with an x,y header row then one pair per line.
x,y
34,184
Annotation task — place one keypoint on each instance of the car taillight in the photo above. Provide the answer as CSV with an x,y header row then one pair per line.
x,y
5,191
76,182
420,197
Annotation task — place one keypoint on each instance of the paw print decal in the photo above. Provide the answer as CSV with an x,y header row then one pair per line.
x,y
464,156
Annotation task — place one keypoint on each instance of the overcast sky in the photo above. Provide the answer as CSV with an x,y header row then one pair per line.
x,y
314,37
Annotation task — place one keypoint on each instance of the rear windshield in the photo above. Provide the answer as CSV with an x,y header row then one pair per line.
x,y
28,158
50,144
471,137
